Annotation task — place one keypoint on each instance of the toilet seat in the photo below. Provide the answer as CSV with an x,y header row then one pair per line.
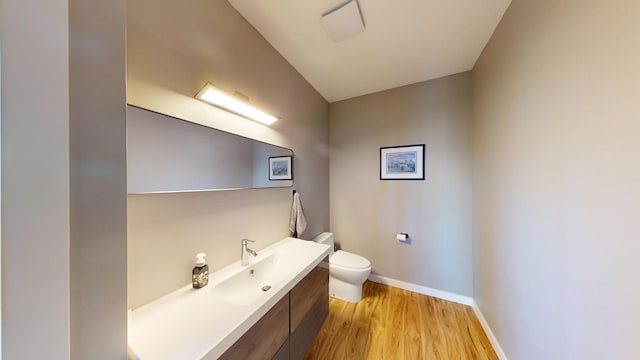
x,y
349,260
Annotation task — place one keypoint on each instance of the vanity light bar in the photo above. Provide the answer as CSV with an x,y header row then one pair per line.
x,y
214,96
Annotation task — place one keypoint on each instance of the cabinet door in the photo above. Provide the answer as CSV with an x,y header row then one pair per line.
x,y
283,353
265,338
309,309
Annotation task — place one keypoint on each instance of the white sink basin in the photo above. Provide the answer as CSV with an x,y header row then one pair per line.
x,y
257,279
204,323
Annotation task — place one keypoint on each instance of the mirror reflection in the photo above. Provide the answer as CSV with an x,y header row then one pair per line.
x,y
166,154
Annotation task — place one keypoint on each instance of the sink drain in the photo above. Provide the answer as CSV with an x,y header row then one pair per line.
x,y
266,288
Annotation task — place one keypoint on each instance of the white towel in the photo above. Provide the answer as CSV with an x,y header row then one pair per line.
x,y
297,222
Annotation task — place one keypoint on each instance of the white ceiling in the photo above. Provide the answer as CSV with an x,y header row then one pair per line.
x,y
404,41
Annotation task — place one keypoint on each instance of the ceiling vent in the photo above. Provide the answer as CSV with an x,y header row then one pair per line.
x,y
343,21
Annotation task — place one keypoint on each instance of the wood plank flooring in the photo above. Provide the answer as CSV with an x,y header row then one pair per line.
x,y
391,323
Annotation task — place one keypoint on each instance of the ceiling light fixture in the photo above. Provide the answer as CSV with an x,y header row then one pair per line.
x,y
214,96
344,21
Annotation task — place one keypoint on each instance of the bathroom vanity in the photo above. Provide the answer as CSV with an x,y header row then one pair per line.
x,y
269,309
289,328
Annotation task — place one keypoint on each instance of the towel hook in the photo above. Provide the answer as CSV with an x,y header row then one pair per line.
x,y
294,192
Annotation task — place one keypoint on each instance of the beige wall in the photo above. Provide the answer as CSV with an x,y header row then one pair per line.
x,y
174,48
366,212
556,176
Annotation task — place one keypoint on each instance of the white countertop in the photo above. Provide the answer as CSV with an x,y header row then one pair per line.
x,y
203,323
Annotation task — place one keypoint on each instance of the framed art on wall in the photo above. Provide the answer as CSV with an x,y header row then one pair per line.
x,y
281,168
402,162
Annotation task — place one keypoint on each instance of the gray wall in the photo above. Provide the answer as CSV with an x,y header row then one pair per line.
x,y
35,180
173,49
366,212
556,176
98,179
63,180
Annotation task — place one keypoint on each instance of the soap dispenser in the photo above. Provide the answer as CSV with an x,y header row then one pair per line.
x,y
200,273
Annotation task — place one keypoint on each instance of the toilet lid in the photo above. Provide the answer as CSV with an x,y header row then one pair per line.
x,y
349,260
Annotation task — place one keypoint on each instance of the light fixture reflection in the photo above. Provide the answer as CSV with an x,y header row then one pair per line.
x,y
214,96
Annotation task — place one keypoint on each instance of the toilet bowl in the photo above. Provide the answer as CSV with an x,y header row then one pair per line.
x,y
347,271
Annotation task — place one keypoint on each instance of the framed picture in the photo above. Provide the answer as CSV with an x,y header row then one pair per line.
x,y
402,162
281,168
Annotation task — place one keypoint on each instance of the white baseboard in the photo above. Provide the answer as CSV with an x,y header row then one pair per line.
x,y
487,330
445,295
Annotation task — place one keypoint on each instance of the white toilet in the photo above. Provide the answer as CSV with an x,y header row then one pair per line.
x,y
347,271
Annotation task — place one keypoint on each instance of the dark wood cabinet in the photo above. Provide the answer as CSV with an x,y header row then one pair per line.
x,y
265,338
289,328
283,353
309,303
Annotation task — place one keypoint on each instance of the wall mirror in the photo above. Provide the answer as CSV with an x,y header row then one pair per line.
x,y
166,154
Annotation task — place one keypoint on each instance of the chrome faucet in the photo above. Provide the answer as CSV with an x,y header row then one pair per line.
x,y
245,252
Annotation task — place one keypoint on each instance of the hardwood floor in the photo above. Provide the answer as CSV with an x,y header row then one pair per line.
x,y
391,323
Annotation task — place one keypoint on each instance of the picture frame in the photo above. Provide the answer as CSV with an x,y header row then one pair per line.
x,y
404,162
280,168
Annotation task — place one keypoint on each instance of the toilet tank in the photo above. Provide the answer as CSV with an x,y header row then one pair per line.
x,y
325,238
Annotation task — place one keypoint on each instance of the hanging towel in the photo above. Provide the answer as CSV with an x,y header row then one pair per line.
x,y
297,223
